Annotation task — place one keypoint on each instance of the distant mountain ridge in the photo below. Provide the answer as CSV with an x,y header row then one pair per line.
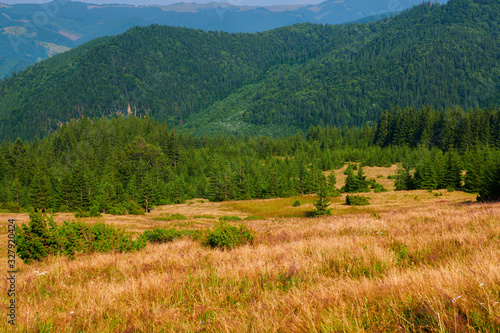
x,y
273,82
32,32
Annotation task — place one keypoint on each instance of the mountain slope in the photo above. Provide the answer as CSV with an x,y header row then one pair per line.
x,y
443,56
284,79
32,32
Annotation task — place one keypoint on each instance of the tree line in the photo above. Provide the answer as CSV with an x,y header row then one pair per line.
x,y
130,164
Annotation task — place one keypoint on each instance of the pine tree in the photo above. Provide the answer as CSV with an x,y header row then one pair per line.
x,y
362,181
425,176
452,173
490,185
474,170
404,179
40,191
351,182
322,202
331,181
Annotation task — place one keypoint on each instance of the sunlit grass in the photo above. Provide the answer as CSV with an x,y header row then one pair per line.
x,y
281,207
409,262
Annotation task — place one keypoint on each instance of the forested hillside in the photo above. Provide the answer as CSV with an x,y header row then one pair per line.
x,y
33,32
133,164
285,79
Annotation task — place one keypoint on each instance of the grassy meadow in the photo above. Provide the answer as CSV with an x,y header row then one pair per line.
x,y
412,261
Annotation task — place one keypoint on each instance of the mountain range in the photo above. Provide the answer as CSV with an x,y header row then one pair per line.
x,y
274,82
33,32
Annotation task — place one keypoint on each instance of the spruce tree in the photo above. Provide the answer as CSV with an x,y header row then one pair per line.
x,y
362,181
331,181
404,179
322,202
425,176
351,182
452,173
490,185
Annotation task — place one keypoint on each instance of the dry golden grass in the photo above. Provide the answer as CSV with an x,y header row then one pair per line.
x,y
409,262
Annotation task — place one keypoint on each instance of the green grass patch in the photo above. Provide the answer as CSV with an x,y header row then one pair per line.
x,y
253,218
205,216
170,217
229,218
270,208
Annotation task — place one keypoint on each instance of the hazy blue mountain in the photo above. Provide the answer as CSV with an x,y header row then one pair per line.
x,y
32,32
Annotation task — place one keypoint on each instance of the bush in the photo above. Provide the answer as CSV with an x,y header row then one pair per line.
x,y
133,208
356,200
64,209
229,218
43,237
252,218
160,235
93,212
170,218
117,210
204,216
12,207
296,203
377,188
227,237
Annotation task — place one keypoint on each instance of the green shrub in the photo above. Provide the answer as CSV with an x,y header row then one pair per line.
x,y
64,209
252,218
204,217
43,237
170,218
229,218
296,203
93,212
450,189
117,210
160,235
77,237
377,188
225,236
133,208
12,207
356,200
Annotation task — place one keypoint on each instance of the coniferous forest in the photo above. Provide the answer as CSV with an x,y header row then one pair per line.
x,y
130,164
168,114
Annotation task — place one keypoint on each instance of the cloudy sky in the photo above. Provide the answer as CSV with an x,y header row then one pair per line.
x,y
168,2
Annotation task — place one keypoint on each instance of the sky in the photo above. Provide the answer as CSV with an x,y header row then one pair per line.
x,y
169,2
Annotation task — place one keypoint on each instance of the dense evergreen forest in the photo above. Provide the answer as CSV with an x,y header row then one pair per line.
x,y
131,164
283,80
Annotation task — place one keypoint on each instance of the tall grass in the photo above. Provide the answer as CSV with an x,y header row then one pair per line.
x,y
415,267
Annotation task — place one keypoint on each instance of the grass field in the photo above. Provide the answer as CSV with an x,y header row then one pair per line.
x,y
410,262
